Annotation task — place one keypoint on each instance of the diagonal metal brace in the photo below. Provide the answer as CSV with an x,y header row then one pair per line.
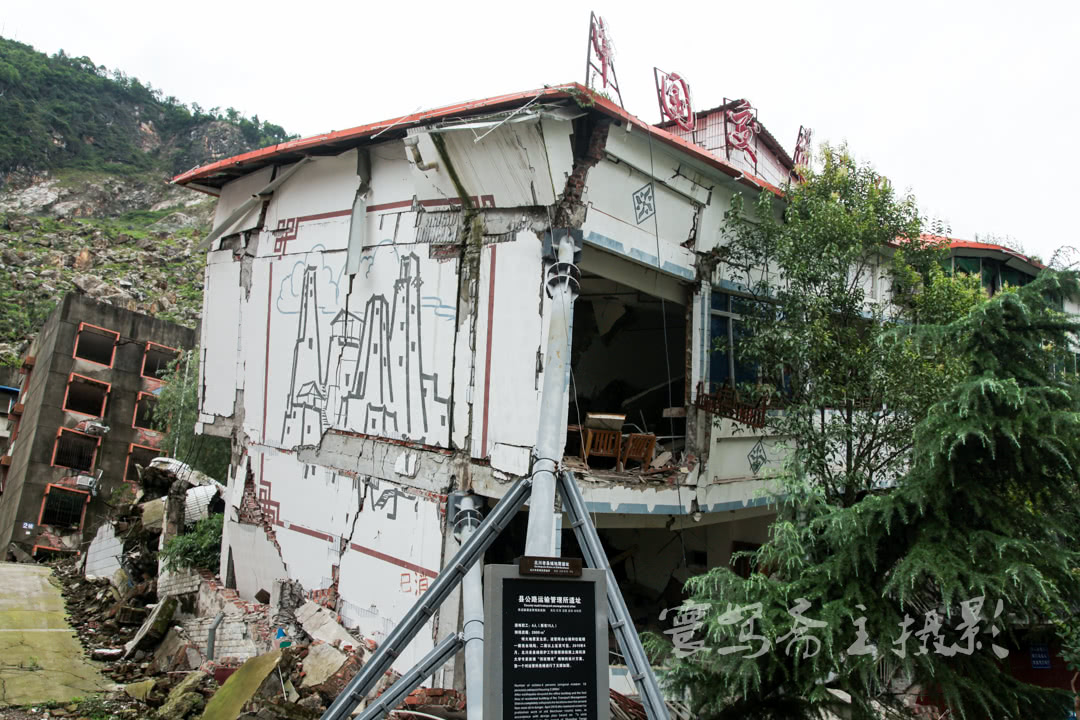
x,y
618,614
440,588
396,693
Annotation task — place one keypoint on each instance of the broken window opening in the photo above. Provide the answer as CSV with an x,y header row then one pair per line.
x,y
75,450
95,344
625,409
145,408
651,562
62,508
86,396
139,456
156,360
727,390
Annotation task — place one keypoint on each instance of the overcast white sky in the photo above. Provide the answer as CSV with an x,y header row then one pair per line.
x,y
972,105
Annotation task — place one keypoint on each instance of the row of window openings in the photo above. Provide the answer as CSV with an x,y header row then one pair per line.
x,y
88,397
993,273
77,451
727,310
98,345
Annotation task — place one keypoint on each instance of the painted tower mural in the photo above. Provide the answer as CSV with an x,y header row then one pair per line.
x,y
305,415
370,377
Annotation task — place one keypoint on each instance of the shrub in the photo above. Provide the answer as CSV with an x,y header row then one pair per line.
x,y
198,549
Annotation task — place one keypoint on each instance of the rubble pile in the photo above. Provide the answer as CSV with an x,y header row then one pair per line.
x,y
149,627
105,616
166,676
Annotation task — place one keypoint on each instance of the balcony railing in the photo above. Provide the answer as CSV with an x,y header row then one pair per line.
x,y
725,402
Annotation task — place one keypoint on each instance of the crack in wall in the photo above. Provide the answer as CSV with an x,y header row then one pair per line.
x,y
570,210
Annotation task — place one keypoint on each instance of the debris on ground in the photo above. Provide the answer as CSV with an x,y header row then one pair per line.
x,y
149,629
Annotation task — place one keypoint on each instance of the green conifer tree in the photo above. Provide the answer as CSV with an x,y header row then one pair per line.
x,y
981,485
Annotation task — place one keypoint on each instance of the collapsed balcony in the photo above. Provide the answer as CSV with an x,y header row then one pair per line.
x,y
626,411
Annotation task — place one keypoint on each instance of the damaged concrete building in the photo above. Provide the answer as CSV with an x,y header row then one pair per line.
x,y
82,424
374,334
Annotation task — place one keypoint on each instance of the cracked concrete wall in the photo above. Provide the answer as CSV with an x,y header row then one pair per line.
x,y
378,542
338,388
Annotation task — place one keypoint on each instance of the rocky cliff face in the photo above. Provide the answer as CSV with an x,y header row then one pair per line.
x,y
83,240
81,194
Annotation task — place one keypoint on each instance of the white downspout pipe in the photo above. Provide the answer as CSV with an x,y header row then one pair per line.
x,y
562,287
472,602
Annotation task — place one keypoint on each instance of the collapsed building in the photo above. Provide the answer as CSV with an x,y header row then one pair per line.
x,y
82,425
374,333
374,336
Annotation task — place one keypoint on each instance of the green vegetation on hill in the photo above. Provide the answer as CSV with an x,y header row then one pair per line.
x,y
67,112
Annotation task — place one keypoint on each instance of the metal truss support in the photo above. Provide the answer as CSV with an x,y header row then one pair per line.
x,y
396,693
471,551
618,614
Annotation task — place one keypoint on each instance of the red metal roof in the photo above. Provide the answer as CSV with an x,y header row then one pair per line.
x,y
956,244
218,173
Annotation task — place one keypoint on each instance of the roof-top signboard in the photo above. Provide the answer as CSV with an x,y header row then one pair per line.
x,y
602,66
673,94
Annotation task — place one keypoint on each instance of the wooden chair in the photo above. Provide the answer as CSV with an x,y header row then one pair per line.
x,y
639,447
602,443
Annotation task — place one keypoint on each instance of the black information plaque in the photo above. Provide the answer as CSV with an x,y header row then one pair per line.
x,y
546,646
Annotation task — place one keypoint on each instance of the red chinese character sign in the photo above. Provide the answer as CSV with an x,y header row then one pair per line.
x,y
673,94
741,128
803,149
603,64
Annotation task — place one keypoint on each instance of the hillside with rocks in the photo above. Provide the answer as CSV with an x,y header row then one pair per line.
x,y
86,156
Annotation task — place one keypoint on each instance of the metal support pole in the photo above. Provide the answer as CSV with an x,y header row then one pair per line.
x,y
472,603
471,550
562,287
211,635
618,614
396,693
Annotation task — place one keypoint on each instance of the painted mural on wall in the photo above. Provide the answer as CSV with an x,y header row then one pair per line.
x,y
367,361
